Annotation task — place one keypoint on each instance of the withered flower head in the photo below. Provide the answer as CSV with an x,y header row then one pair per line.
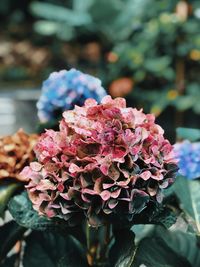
x,y
16,151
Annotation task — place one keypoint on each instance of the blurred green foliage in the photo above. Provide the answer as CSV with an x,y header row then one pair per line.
x,y
155,43
162,56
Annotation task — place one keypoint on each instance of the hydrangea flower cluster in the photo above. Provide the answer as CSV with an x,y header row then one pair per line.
x,y
188,155
105,160
65,89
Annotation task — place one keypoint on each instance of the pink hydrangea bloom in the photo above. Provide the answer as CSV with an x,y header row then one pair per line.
x,y
106,159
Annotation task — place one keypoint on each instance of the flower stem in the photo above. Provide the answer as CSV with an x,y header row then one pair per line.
x,y
98,240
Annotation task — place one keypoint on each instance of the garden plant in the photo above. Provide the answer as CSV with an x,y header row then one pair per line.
x,y
98,185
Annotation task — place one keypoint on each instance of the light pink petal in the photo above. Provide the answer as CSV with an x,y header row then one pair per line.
x,y
145,175
105,195
90,102
26,173
106,186
73,168
35,166
88,191
116,193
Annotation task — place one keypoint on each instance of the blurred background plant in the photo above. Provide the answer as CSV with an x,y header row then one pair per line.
x,y
146,50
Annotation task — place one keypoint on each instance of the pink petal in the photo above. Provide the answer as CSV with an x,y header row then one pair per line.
x,y
106,186
26,173
65,196
73,168
104,169
145,175
35,166
90,102
88,191
123,183
119,152
60,187
116,193
105,195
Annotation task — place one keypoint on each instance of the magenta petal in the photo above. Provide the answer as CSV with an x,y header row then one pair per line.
x,y
60,187
104,169
50,213
119,152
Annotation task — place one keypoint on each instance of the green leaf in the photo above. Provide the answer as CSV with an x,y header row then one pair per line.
x,y
10,233
10,261
21,209
52,250
165,217
154,213
59,13
184,244
157,65
123,250
46,27
7,189
185,102
154,252
72,259
82,6
188,133
188,194
49,28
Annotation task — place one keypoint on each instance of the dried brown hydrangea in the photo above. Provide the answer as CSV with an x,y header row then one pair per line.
x,y
16,151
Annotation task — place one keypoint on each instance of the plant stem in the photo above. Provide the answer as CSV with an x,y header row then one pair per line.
x,y
98,240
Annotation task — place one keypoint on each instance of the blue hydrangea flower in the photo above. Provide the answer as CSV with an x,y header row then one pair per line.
x,y
64,89
188,155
